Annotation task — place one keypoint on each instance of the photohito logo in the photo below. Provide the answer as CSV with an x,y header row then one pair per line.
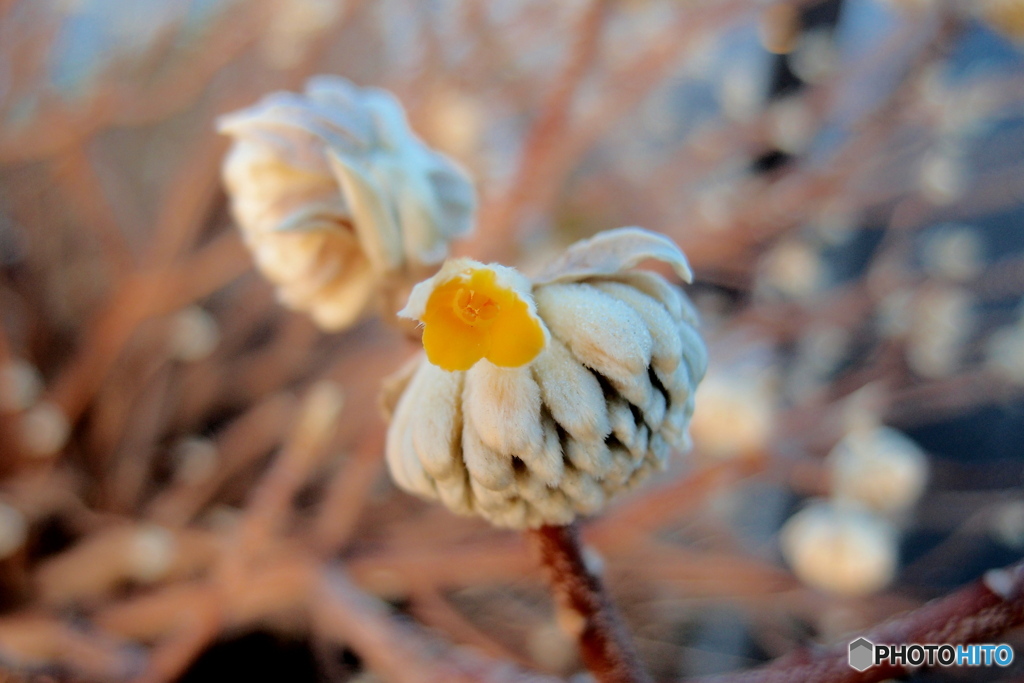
x,y
865,654
862,654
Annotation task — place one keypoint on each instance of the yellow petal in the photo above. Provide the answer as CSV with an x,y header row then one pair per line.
x,y
473,316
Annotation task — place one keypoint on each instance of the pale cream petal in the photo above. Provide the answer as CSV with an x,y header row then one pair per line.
x,y
592,457
622,468
622,420
571,393
487,467
487,499
437,424
454,492
660,450
375,223
654,409
613,251
545,464
396,439
515,515
656,287
585,493
695,353
675,424
679,387
502,405
552,513
640,444
394,385
667,345
602,332
405,467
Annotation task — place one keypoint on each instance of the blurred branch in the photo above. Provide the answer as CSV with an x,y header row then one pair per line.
x,y
343,614
983,610
500,217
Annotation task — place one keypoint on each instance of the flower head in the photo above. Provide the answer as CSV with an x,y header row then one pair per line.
x,y
335,195
538,401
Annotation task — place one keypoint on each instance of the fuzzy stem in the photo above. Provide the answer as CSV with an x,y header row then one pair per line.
x,y
589,613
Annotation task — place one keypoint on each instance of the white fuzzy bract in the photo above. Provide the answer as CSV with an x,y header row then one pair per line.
x,y
597,410
334,193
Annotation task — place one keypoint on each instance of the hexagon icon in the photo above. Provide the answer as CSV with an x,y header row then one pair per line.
x,y
862,654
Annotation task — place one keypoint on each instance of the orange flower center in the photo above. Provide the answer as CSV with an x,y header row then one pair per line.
x,y
473,316
474,308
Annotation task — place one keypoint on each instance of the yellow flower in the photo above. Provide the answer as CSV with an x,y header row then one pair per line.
x,y
476,312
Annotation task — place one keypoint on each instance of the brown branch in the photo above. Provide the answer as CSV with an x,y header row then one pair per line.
x,y
342,613
981,611
499,218
589,614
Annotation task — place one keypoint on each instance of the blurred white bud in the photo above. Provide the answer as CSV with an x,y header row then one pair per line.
x,y
44,429
840,549
814,59
734,413
863,408
13,530
151,553
942,320
894,312
336,197
551,647
1007,524
836,223
194,334
880,468
819,352
596,406
942,178
742,93
792,269
953,253
194,459
20,385
791,126
1004,354
715,205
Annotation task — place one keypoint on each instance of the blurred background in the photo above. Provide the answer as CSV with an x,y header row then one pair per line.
x,y
846,177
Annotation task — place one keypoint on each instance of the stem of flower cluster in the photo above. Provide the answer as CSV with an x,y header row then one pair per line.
x,y
588,612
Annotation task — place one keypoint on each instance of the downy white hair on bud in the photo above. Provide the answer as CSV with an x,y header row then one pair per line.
x,y
335,195
539,400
